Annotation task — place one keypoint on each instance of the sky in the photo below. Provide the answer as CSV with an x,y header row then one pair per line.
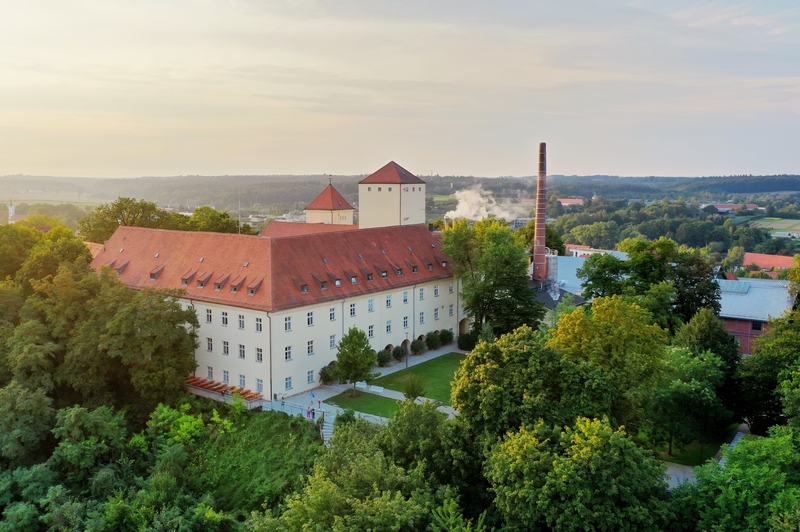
x,y
453,87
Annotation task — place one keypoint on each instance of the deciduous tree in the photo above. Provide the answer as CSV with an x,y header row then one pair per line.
x,y
354,358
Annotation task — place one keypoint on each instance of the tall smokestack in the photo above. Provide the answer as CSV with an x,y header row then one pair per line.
x,y
539,257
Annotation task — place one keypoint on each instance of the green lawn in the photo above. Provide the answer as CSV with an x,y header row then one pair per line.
x,y
436,375
365,402
690,454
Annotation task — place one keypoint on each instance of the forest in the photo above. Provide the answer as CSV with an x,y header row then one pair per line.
x,y
560,427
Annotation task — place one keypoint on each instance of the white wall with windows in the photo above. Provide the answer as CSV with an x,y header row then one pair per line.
x,y
305,339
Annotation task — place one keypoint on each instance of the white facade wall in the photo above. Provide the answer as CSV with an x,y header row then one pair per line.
x,y
384,205
274,338
340,217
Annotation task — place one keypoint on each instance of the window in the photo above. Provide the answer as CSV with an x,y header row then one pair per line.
x,y
436,291
310,319
388,301
369,277
371,331
436,314
209,344
310,347
184,282
388,326
210,372
405,297
323,285
287,352
384,274
405,322
287,323
337,282
371,305
451,287
450,309
224,319
414,269
422,317
311,376
201,284
259,386
225,377
234,289
421,294
241,350
208,315
756,325
379,189
258,324
399,272
352,309
189,307
241,321
369,189
259,354
287,383
303,288
333,341
225,348
430,266
241,381
332,313
354,280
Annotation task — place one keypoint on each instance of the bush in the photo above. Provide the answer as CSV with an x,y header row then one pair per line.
x,y
412,386
432,340
345,418
417,347
467,341
384,357
446,336
399,352
326,375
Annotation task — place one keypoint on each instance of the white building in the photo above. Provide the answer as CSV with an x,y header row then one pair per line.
x,y
391,196
272,308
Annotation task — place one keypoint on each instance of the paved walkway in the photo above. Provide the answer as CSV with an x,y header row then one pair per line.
x,y
677,474
323,393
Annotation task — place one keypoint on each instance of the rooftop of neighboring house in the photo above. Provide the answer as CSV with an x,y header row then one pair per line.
x,y
767,262
278,229
754,299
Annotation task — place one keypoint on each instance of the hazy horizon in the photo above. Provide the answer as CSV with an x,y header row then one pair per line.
x,y
622,88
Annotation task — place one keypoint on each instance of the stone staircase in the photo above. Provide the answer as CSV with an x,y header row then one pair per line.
x,y
326,431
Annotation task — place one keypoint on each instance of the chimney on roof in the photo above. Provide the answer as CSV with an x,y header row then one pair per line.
x,y
539,256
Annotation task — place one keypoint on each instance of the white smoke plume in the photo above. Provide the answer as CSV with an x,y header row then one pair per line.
x,y
474,203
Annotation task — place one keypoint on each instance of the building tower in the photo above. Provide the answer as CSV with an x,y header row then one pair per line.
x,y
329,208
391,196
11,210
539,249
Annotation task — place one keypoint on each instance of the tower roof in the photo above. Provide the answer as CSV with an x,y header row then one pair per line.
x,y
329,200
391,174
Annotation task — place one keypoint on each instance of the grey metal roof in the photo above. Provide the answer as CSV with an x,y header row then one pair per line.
x,y
754,299
567,274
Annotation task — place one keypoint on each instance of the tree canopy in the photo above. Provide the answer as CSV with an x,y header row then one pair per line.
x,y
492,265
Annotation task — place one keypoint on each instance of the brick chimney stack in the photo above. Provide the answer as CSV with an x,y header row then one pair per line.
x,y
539,257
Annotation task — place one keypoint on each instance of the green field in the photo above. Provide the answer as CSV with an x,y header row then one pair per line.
x,y
365,402
436,376
691,454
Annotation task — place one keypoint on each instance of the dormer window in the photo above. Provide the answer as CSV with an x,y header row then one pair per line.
x,y
184,282
399,272
234,289
354,280
323,285
187,277
414,269
155,273
201,284
236,284
369,277
217,287
337,282
303,288
251,291
253,287
430,266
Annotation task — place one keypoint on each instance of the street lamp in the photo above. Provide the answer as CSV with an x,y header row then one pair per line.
x,y
406,350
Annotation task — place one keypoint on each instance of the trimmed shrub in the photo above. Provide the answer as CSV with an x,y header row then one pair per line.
x,y
399,353
384,357
326,375
467,341
417,347
412,386
432,340
445,336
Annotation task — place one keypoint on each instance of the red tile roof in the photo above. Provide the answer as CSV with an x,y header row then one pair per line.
x,y
329,200
767,262
275,268
570,201
298,228
392,173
